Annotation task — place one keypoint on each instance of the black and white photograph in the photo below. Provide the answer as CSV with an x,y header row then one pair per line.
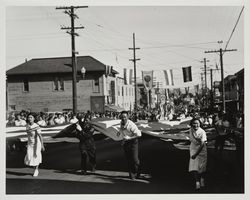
x,y
124,100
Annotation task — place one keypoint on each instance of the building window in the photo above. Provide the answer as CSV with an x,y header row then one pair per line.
x,y
58,84
26,85
122,91
96,85
12,107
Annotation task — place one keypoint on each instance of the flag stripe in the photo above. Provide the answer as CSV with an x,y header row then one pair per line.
x,y
169,76
172,79
130,76
166,77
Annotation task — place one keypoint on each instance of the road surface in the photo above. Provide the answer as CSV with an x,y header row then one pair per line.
x,y
164,171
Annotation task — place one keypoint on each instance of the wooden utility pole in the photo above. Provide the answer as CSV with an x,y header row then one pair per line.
x,y
134,60
202,83
205,71
212,95
222,74
205,75
70,11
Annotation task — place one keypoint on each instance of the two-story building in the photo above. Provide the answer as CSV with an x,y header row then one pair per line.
x,y
45,84
234,92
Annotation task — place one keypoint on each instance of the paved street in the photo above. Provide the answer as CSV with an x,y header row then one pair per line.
x,y
164,171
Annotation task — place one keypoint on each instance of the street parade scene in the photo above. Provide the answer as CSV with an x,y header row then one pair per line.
x,y
125,100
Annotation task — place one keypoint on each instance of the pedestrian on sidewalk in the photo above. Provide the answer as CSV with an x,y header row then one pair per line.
x,y
130,134
86,143
35,144
198,152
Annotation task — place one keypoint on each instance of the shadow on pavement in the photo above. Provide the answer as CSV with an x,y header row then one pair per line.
x,y
41,186
166,165
18,173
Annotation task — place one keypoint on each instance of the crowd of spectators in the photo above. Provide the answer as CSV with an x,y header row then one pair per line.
x,y
44,119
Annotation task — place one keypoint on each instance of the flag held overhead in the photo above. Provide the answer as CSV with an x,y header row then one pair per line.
x,y
147,78
187,74
130,76
169,76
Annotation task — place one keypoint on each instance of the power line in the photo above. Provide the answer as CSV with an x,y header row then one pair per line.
x,y
179,45
234,28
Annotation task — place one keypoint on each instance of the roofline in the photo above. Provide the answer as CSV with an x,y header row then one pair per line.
x,y
62,57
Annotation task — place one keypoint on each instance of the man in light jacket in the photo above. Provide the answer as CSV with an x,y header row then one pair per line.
x,y
130,134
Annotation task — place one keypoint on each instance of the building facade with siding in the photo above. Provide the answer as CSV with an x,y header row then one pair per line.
x,y
46,85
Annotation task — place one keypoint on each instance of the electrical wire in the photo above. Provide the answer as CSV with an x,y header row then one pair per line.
x,y
234,28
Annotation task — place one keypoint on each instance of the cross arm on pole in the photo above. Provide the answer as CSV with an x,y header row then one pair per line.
x,y
69,7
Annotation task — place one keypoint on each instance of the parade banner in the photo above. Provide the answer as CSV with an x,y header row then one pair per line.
x,y
147,79
169,76
130,76
125,76
187,74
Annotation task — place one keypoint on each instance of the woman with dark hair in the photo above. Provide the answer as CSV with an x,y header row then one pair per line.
x,y
35,144
87,144
198,152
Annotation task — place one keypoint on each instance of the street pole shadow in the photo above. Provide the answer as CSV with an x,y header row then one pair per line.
x,y
69,171
18,173
143,178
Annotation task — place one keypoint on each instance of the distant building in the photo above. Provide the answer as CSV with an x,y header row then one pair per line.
x,y
45,84
234,92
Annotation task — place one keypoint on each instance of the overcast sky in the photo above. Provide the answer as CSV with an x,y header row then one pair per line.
x,y
168,37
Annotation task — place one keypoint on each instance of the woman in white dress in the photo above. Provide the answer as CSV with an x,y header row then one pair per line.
x,y
34,146
198,152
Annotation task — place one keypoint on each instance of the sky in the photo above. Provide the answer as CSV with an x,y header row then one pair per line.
x,y
169,37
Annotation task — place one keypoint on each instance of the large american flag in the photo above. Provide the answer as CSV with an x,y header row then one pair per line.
x,y
168,130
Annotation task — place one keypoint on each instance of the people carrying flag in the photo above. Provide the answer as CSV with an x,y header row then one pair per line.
x,y
198,152
84,132
35,145
130,134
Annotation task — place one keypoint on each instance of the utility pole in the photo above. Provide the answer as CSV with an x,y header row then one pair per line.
x,y
205,71
70,11
205,75
212,96
134,60
202,83
222,74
